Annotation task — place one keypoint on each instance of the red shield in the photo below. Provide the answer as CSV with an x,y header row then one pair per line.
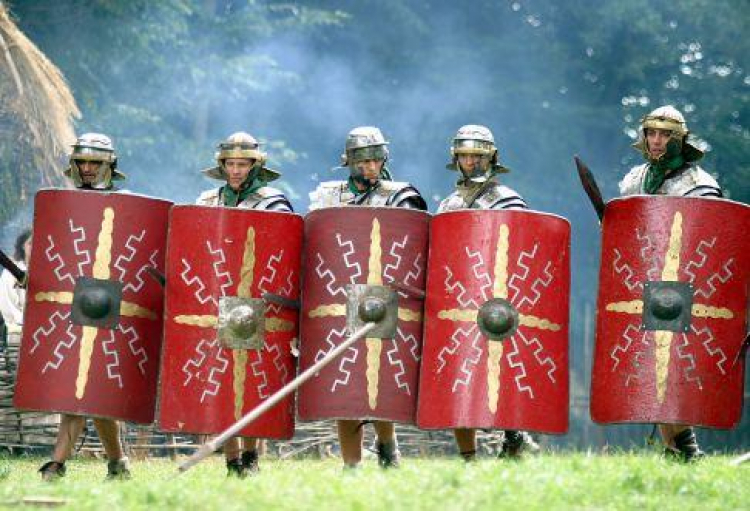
x,y
517,376
106,367
375,378
215,254
672,312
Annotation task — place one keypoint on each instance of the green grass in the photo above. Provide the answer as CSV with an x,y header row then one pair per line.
x,y
550,481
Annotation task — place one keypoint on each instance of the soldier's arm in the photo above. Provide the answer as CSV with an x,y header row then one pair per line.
x,y
702,184
510,203
410,198
704,191
280,204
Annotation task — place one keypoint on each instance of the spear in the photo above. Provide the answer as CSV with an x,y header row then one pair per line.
x,y
208,448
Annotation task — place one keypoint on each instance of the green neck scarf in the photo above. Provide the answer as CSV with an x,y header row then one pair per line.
x,y
385,175
658,171
232,198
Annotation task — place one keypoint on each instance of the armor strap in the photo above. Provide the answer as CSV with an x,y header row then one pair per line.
x,y
481,191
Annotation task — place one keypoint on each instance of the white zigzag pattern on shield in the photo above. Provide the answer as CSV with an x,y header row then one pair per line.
x,y
396,247
622,348
220,269
345,360
128,258
140,281
113,367
257,367
200,294
349,264
523,272
699,258
278,361
470,363
711,352
76,246
722,277
480,273
625,271
416,270
215,371
394,360
546,361
54,320
266,281
54,257
630,335
138,352
455,342
688,371
327,274
647,249
195,363
451,285
637,365
411,340
72,339
534,289
516,363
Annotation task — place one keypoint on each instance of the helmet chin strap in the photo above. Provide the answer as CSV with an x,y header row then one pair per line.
x,y
480,174
358,176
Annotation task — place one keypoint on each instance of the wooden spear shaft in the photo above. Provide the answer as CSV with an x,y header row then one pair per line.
x,y
208,448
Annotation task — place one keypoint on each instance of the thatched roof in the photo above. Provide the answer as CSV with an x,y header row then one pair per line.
x,y
36,113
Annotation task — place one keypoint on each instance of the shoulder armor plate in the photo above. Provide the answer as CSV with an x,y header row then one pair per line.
x,y
209,198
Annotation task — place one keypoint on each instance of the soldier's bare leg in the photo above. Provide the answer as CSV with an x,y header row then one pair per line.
x,y
118,465
669,431
466,439
71,427
250,444
681,441
350,440
232,448
109,434
388,455
250,455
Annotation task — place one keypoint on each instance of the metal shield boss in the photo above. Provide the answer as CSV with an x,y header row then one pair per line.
x,y
495,352
92,330
226,347
672,312
359,260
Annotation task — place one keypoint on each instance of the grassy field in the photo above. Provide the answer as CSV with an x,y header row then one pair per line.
x,y
550,481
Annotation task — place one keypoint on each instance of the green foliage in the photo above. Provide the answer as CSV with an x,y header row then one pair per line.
x,y
570,481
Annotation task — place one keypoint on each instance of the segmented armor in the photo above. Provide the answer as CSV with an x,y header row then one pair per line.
x,y
689,181
395,194
266,198
493,196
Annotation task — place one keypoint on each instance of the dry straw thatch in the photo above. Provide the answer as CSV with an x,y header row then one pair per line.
x,y
36,113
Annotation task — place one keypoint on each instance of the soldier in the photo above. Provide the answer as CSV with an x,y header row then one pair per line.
x,y
12,294
474,154
670,169
241,165
369,184
93,166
